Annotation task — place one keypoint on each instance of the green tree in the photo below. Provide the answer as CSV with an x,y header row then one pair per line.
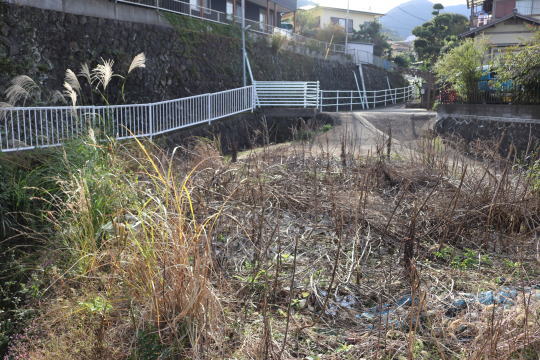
x,y
306,23
521,65
437,9
404,60
461,67
438,35
372,32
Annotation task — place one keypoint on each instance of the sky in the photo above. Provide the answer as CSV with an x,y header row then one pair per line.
x,y
378,5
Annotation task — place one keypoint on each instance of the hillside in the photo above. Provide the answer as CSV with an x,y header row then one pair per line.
x,y
402,19
305,3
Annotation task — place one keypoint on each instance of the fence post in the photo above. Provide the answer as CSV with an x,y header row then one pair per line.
x,y
351,99
318,93
305,95
151,115
253,98
337,101
208,100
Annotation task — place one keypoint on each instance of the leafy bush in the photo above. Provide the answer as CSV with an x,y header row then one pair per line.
x,y
278,42
462,66
521,65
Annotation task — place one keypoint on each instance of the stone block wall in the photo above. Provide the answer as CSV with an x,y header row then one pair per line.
x,y
44,43
511,126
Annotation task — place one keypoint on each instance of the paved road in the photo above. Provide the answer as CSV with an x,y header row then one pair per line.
x,y
366,130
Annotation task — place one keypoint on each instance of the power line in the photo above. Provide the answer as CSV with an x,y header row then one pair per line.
x,y
408,13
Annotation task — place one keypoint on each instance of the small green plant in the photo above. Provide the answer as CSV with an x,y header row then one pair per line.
x,y
470,259
512,265
446,253
251,278
466,260
343,348
98,305
326,128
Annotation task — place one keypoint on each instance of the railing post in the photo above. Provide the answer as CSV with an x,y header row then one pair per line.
x,y
337,101
351,100
151,115
305,94
209,101
318,94
253,98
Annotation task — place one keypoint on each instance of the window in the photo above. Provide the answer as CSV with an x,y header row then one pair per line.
x,y
341,22
528,7
207,4
229,9
262,19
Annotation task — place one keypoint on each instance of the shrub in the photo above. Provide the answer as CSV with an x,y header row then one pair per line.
x,y
278,42
521,65
462,66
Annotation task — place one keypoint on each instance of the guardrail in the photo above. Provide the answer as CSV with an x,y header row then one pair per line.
x,y
287,93
23,128
349,100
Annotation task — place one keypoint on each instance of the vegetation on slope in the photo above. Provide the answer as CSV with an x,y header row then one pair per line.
x,y
151,255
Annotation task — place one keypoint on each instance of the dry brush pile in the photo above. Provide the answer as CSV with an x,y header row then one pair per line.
x,y
285,256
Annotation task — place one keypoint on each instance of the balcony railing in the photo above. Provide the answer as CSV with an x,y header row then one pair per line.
x,y
185,8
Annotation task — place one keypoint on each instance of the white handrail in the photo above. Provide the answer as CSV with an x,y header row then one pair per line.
x,y
24,128
186,8
338,100
287,93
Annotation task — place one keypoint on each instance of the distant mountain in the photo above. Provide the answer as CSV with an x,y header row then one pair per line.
x,y
401,20
306,3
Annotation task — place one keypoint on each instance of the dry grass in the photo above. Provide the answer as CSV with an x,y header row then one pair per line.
x,y
279,255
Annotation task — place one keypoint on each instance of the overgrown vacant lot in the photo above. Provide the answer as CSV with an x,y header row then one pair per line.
x,y
293,254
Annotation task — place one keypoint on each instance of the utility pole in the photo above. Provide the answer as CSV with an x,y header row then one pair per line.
x,y
244,43
347,26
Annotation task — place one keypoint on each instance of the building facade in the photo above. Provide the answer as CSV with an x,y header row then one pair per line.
x,y
504,23
267,12
348,20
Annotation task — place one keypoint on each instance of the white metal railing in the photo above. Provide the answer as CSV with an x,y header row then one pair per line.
x,y
186,8
349,100
23,128
287,93
365,57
